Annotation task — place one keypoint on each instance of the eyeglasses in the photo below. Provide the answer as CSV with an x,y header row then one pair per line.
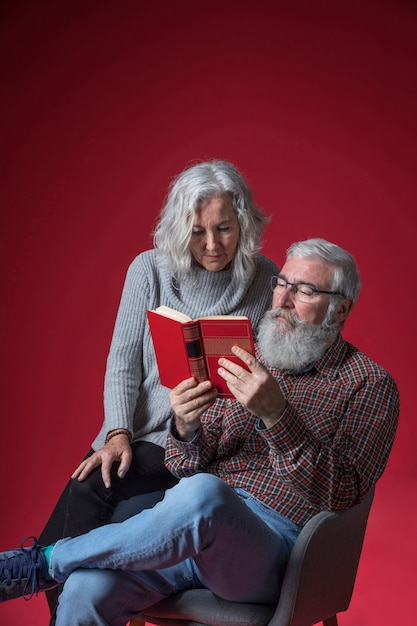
x,y
300,291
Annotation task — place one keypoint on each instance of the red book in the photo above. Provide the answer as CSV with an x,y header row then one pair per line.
x,y
185,347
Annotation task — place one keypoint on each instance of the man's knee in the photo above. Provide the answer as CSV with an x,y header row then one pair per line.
x,y
203,492
85,595
78,594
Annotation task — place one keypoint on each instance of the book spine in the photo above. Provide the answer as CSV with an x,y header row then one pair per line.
x,y
195,354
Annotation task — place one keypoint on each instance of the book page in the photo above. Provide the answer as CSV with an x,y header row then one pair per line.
x,y
166,311
223,317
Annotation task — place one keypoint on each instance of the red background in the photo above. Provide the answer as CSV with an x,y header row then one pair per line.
x,y
102,103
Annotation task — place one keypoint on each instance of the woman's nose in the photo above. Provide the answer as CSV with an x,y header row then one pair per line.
x,y
211,240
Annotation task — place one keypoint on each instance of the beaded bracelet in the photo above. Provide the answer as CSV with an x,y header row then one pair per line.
x,y
119,431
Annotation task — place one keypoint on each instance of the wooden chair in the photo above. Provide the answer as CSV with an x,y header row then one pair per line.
x,y
318,582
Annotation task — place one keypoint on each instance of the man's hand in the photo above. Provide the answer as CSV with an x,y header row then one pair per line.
x,y
118,450
189,400
257,389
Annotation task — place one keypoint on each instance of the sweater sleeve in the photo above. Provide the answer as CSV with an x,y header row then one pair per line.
x,y
124,363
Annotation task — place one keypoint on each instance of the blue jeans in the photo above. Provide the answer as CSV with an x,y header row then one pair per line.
x,y
203,534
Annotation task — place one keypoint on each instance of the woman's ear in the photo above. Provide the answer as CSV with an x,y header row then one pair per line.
x,y
344,309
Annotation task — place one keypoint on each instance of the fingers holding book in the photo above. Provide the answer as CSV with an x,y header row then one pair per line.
x,y
189,400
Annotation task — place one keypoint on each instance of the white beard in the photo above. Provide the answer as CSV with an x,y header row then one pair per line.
x,y
294,344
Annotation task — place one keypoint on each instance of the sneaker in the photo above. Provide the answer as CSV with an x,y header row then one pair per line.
x,y
24,572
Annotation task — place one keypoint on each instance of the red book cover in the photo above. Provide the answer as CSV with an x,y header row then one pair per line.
x,y
185,347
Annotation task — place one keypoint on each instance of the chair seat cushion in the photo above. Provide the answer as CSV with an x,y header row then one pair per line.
x,y
201,606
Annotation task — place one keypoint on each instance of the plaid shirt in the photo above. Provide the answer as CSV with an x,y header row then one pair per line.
x,y
330,445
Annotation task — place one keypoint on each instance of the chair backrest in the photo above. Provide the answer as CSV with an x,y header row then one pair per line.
x,y
318,582
321,572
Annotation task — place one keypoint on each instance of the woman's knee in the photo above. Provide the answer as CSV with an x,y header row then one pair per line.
x,y
80,490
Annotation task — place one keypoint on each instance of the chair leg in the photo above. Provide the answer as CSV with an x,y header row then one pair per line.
x,y
331,621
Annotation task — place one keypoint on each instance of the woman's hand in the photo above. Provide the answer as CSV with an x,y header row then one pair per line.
x,y
117,450
256,389
189,400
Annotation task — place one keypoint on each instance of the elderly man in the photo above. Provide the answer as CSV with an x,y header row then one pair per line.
x,y
311,428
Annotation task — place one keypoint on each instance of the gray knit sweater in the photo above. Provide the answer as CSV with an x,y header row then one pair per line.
x,y
133,396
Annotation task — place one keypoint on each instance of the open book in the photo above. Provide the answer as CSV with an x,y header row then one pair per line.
x,y
185,347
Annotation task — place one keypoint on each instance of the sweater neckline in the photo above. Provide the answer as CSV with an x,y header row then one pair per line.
x,y
205,292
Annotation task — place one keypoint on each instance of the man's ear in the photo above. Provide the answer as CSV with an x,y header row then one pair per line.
x,y
344,309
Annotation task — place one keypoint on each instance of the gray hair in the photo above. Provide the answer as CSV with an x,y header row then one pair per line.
x,y
346,277
186,193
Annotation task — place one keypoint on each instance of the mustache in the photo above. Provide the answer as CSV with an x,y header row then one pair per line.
x,y
285,314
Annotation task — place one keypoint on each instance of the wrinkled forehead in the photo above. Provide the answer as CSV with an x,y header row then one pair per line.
x,y
217,208
308,269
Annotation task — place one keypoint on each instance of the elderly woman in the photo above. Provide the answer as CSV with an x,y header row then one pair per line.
x,y
206,261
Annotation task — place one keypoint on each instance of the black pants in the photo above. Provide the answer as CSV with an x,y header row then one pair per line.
x,y
89,504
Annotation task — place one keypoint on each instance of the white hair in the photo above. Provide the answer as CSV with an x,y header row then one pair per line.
x,y
187,192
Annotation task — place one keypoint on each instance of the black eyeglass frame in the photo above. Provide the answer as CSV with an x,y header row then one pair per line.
x,y
294,287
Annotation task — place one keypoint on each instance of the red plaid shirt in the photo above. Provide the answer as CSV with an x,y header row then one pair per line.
x,y
329,447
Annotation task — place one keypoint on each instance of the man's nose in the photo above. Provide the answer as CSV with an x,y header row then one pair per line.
x,y
283,299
